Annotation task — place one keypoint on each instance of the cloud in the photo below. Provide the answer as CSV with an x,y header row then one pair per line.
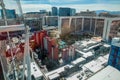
x,y
35,7
35,1
81,7
87,1
60,2
66,1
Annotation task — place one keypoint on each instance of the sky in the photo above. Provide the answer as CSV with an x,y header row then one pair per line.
x,y
79,5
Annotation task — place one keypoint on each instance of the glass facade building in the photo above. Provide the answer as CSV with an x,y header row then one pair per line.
x,y
64,11
67,11
54,11
10,14
114,58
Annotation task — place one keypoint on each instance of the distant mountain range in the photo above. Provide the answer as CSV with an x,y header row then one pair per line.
x,y
111,12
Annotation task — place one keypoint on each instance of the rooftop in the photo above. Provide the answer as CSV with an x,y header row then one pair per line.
x,y
109,73
77,61
49,28
54,76
116,41
87,44
35,71
85,54
117,44
106,56
106,45
96,65
57,71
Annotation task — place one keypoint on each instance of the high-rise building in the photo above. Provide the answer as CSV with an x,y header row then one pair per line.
x,y
54,11
50,21
38,37
66,11
114,58
10,13
51,47
73,12
43,11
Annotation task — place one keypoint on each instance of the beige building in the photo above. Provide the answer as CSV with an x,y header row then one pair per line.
x,y
86,13
107,28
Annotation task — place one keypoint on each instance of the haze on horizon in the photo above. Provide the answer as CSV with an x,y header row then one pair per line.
x,y
79,5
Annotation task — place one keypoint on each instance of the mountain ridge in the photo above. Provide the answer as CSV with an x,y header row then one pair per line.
x,y
111,12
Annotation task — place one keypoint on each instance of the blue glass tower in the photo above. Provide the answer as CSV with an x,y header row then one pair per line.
x,y
64,11
9,13
73,12
114,58
54,11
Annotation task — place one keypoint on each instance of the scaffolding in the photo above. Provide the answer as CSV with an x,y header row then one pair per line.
x,y
10,66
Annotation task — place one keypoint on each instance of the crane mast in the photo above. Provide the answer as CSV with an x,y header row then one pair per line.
x,y
12,71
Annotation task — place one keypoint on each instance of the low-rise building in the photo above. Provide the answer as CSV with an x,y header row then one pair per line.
x,y
87,13
109,73
78,61
35,71
96,65
86,48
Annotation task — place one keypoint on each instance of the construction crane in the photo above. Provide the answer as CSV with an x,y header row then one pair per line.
x,y
26,60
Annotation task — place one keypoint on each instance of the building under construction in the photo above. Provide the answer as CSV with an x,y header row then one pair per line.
x,y
14,43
